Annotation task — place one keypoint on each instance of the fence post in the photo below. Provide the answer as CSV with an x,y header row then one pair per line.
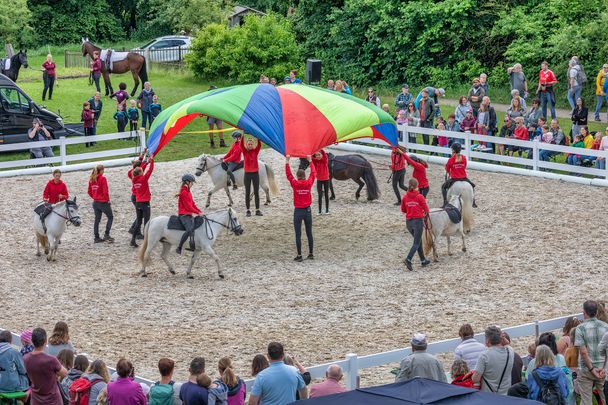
x,y
353,371
535,152
406,136
62,151
605,165
65,58
147,58
142,138
467,145
536,329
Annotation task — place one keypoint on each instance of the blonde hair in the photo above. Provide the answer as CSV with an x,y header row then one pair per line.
x,y
519,120
99,367
97,170
412,184
203,380
228,376
459,367
544,356
138,171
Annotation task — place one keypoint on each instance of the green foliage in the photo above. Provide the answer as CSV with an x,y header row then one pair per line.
x,y
262,45
14,22
181,15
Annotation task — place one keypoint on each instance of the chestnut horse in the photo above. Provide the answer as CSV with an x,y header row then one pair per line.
x,y
134,62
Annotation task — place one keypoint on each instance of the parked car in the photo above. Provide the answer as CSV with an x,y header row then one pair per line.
x,y
17,111
166,49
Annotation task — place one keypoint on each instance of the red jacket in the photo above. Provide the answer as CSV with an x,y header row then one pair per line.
x,y
87,117
98,190
251,156
49,67
397,162
96,66
322,167
521,133
457,170
234,154
302,197
140,188
419,171
413,205
185,203
130,172
52,190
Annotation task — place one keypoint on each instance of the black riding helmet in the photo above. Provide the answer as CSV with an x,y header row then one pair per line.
x,y
236,134
188,177
456,147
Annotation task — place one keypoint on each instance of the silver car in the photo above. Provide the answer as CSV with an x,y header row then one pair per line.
x,y
169,49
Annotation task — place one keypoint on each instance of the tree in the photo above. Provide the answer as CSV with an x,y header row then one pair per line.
x,y
183,15
14,22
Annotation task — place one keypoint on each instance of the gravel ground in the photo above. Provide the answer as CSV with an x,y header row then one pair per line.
x,y
536,251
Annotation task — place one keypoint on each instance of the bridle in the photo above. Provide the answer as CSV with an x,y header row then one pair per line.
x,y
233,227
69,218
203,166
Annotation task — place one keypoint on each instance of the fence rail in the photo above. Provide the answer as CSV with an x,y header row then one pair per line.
x,y
171,56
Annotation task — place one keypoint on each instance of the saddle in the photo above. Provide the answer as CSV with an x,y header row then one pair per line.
x,y
453,213
43,210
109,56
5,63
175,224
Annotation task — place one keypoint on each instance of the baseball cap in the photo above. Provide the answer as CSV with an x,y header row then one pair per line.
x,y
419,339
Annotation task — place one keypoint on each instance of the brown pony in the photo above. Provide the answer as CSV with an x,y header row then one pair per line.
x,y
135,63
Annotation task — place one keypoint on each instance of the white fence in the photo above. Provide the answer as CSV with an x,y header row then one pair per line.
x,y
64,161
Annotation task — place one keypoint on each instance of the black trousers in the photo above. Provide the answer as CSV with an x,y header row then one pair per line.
x,y
323,191
230,167
424,191
49,82
96,80
88,132
142,210
415,227
398,183
299,215
252,178
100,208
448,183
132,126
121,125
187,222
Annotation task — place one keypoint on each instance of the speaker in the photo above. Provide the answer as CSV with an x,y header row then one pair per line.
x,y
313,71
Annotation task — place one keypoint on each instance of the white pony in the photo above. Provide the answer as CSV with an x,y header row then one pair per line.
x,y
466,192
56,222
219,177
204,238
439,224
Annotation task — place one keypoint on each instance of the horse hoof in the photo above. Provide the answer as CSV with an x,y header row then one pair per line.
x,y
464,249
267,202
48,259
144,275
207,206
46,251
332,197
190,277
172,271
38,254
221,276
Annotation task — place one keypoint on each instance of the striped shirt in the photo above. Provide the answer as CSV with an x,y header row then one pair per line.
x,y
469,351
589,334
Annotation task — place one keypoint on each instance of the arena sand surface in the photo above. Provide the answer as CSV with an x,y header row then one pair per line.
x,y
536,251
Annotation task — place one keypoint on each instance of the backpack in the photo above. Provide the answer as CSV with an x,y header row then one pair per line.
x,y
80,391
550,393
581,76
161,394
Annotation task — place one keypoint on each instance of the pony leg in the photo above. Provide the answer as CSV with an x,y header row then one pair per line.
x,y
449,246
136,81
52,249
361,184
215,257
331,189
227,190
464,245
163,255
216,188
37,245
192,261
267,191
435,255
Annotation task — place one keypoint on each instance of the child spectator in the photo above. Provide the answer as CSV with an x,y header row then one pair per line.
x,y
121,95
87,117
144,100
133,114
237,391
573,158
81,363
469,123
218,392
461,375
59,340
531,352
520,133
121,118
442,140
96,106
547,136
26,342
155,109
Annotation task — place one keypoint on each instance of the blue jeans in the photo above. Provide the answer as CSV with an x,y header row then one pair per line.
x,y
573,160
573,94
545,155
546,97
145,118
599,101
600,164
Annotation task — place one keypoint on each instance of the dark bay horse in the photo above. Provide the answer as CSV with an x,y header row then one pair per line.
x,y
17,60
351,167
135,63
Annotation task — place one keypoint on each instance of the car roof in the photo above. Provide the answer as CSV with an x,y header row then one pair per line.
x,y
4,81
174,37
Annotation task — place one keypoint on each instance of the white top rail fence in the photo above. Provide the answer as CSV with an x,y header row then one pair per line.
x,y
64,161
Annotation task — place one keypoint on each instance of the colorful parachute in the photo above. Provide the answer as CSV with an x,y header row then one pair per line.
x,y
293,119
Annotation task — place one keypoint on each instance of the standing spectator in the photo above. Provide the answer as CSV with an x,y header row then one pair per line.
x,y
321,163
264,79
565,342
273,81
13,376
427,114
144,100
413,120
587,339
87,116
434,93
140,187
386,108
259,363
518,363
492,121
43,371
39,133
599,90
331,385
133,114
452,125
48,77
483,81
66,358
403,98
155,109
600,162
515,109
251,176
398,172
96,70
302,200
99,192
462,108
191,393
546,80
372,97
125,391
494,365
96,105
534,113
237,391
420,363
515,94
277,384
26,342
81,363
545,371
96,378
121,95
211,121
165,391
415,208
293,77
292,361
579,116
469,349
575,81
517,79
121,118
475,95
59,340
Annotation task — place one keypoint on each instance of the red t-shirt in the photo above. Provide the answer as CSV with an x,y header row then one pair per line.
x,y
302,197
397,160
98,190
49,68
140,187
321,166
457,170
546,77
419,172
521,133
251,156
87,117
96,66
185,203
234,154
413,205
42,371
52,191
130,173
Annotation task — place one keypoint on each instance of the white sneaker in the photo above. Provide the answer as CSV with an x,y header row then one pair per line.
x,y
319,213
327,212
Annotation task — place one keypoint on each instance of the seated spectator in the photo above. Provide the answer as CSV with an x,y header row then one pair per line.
x,y
38,133
59,340
237,391
43,371
462,108
506,132
420,363
530,356
517,361
331,384
96,378
279,382
495,364
535,132
330,85
544,371
558,138
587,137
218,393
515,110
125,391
534,114
600,162
81,363
469,123
259,363
165,391
26,342
573,158
452,125
291,361
579,116
13,376
191,393
461,375
469,349
516,94
520,133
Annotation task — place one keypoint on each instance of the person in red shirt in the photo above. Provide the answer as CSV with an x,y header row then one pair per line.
x,y
48,77
419,173
302,200
250,153
96,70
456,167
234,157
98,191
520,133
413,205
546,80
55,190
398,172
141,189
142,162
321,164
186,209
87,116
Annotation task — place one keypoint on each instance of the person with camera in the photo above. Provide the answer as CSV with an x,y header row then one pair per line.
x,y
39,133
546,80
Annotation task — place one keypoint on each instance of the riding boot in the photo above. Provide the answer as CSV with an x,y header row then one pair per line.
x,y
232,180
43,224
474,203
181,243
444,193
191,247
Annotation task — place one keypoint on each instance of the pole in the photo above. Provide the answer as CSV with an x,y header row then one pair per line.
x,y
353,371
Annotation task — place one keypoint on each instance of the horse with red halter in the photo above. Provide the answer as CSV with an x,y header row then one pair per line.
x,y
133,62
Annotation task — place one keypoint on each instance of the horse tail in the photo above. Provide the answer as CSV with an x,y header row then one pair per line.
x,y
467,215
373,192
427,239
143,72
44,240
144,245
272,181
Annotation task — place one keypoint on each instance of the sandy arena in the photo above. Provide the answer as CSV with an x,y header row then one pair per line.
x,y
537,251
